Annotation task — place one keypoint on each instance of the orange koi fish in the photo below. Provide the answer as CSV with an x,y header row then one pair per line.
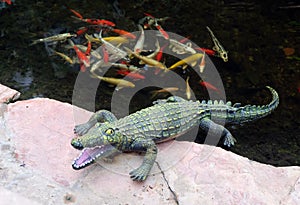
x,y
101,22
83,59
124,33
161,30
76,13
207,51
209,86
105,55
81,31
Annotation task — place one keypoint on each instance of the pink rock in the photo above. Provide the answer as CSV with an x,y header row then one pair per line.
x,y
40,130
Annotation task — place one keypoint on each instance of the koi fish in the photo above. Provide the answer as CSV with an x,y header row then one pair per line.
x,y
150,19
83,59
65,57
188,89
161,30
111,39
105,55
111,48
115,81
83,48
124,33
209,86
181,46
126,67
159,55
132,75
190,59
58,37
76,13
140,42
218,47
101,22
81,31
154,53
202,63
89,48
148,61
164,90
207,51
7,1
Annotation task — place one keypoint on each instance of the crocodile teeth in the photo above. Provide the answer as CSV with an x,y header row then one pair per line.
x,y
87,156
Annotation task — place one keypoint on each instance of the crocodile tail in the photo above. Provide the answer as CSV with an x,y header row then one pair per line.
x,y
253,112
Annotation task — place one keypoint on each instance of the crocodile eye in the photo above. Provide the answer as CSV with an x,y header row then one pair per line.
x,y
109,131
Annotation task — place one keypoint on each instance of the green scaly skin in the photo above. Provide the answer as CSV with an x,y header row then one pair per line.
x,y
104,136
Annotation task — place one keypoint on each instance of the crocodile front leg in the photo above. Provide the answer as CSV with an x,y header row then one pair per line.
x,y
100,116
142,144
206,124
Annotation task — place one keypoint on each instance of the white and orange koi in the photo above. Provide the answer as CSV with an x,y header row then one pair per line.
x,y
202,63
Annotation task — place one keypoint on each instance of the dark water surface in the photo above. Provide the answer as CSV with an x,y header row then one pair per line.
x,y
262,39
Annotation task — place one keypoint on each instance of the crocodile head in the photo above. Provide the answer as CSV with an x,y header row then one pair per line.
x,y
99,141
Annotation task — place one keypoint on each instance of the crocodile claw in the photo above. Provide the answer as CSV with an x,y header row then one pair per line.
x,y
139,174
229,140
81,129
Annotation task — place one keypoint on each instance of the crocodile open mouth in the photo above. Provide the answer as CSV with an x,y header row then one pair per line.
x,y
88,156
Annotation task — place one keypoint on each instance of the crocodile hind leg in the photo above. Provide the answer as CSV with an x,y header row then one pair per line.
x,y
99,116
216,129
142,144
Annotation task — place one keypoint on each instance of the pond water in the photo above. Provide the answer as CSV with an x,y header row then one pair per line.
x,y
262,40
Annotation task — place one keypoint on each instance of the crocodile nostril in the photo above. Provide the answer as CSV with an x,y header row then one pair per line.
x,y
76,144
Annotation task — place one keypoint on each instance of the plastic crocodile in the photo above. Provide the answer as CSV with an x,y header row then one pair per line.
x,y
104,136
